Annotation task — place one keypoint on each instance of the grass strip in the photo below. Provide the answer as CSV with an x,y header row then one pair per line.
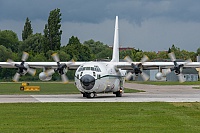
x,y
46,89
100,117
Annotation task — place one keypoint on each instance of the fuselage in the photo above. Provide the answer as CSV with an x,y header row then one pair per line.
x,y
99,77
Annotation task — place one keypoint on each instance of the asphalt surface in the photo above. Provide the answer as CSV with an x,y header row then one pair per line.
x,y
153,93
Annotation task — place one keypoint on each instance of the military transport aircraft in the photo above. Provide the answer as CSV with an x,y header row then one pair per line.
x,y
98,77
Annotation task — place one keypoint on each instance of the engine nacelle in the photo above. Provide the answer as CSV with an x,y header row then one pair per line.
x,y
43,76
159,76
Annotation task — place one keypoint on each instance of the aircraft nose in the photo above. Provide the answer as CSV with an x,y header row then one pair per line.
x,y
87,82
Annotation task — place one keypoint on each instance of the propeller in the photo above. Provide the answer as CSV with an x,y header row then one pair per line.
x,y
61,68
137,68
177,67
23,68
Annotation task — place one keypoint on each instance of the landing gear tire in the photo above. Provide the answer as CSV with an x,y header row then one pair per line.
x,y
84,94
90,95
119,93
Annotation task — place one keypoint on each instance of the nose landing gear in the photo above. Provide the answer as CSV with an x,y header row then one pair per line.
x,y
89,95
119,93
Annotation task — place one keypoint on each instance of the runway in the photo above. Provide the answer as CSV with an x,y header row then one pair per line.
x,y
153,93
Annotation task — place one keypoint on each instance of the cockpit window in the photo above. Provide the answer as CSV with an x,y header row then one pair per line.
x,y
80,69
86,68
95,68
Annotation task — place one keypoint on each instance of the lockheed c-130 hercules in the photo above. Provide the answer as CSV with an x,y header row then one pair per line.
x,y
98,77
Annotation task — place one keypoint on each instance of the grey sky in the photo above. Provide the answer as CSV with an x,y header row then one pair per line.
x,y
150,25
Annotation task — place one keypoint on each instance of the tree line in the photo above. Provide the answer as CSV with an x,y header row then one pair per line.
x,y
40,46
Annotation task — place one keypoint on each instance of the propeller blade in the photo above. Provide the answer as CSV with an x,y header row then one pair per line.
x,y
72,61
55,57
172,56
31,71
144,59
144,76
188,61
16,77
64,79
50,72
181,78
167,72
128,59
25,56
128,76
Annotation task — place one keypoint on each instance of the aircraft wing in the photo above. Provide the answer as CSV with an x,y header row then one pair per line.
x,y
155,65
71,65
121,65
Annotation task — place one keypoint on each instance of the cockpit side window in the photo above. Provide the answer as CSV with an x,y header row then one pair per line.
x,y
97,69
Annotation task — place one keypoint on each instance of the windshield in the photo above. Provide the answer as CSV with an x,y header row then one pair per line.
x,y
95,68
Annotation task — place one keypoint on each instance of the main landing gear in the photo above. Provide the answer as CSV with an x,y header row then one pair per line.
x,y
119,93
89,95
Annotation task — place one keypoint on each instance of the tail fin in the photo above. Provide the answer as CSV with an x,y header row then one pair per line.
x,y
115,56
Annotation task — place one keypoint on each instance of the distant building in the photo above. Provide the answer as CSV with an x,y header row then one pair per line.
x,y
190,74
198,60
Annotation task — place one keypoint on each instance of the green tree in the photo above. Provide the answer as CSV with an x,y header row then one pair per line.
x,y
76,50
27,29
38,57
9,39
52,32
151,55
6,73
169,50
176,51
105,54
64,56
34,43
162,55
5,53
138,56
130,52
198,51
95,47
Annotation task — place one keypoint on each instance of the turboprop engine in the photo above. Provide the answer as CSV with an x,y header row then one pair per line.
x,y
23,67
137,68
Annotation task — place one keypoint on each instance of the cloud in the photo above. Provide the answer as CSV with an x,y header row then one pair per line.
x,y
147,25
96,11
160,34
